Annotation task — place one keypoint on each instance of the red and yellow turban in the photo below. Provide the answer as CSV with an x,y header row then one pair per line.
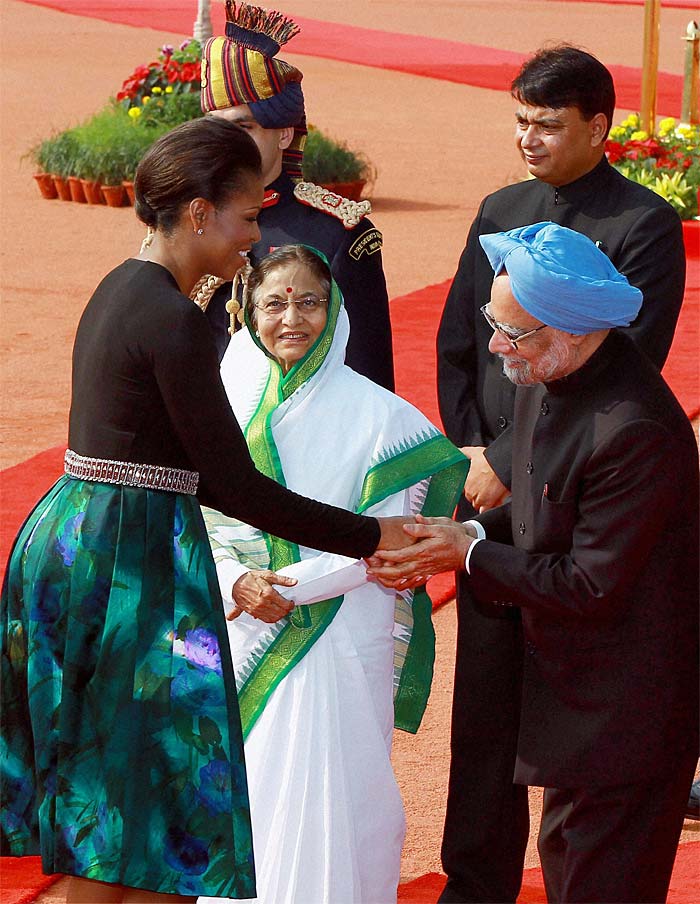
x,y
241,68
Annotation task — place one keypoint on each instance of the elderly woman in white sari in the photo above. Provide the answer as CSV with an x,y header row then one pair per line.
x,y
323,680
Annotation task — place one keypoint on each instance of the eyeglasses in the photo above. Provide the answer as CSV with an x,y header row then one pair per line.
x,y
509,334
273,306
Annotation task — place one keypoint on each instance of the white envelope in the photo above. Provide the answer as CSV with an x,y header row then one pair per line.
x,y
322,578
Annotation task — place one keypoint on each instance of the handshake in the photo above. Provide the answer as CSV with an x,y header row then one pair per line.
x,y
412,550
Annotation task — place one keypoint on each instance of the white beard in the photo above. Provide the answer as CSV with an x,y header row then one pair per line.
x,y
556,361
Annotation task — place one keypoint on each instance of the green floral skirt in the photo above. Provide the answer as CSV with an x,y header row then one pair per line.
x,y
121,755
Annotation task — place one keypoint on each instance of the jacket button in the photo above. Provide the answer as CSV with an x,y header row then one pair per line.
x,y
529,467
521,528
544,408
531,648
502,423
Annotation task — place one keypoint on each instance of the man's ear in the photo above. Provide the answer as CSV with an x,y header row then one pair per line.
x,y
577,338
286,137
599,129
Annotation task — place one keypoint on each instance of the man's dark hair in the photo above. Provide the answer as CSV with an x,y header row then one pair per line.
x,y
566,76
205,158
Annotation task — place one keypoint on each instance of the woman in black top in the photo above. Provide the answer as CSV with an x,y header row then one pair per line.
x,y
122,759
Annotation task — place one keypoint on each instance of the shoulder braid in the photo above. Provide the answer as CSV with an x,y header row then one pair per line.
x,y
204,289
348,212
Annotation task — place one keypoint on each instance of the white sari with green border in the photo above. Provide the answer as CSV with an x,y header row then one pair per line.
x,y
320,691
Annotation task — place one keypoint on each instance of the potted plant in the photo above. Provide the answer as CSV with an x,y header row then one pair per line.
x,y
59,155
100,158
335,166
40,154
158,113
174,72
668,162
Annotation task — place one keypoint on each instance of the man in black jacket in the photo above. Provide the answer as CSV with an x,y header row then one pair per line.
x,y
598,547
243,81
564,106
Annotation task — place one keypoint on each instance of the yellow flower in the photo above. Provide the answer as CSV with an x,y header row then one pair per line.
x,y
617,132
169,89
145,99
156,90
638,136
667,125
134,112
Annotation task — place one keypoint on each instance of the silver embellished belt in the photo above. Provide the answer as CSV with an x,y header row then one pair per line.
x,y
150,477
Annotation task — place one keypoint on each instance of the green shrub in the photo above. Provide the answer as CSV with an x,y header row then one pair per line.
x,y
326,160
58,154
107,147
169,110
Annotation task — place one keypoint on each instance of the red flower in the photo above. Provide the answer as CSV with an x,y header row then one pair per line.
x,y
190,72
614,150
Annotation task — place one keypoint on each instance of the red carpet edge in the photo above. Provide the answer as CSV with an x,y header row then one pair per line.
x,y
684,889
436,58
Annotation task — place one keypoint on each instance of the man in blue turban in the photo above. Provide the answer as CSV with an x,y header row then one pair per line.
x,y
598,548
564,102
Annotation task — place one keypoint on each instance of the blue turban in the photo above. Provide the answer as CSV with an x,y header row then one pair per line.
x,y
562,279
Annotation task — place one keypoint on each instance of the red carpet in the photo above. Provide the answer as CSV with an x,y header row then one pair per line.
x,y
682,369
453,61
21,880
685,882
20,488
414,322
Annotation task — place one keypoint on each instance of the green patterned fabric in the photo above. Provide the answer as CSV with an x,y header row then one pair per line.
x,y
121,748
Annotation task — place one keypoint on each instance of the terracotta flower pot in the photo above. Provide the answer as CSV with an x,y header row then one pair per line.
x,y
113,195
62,188
92,191
76,190
46,185
129,189
351,190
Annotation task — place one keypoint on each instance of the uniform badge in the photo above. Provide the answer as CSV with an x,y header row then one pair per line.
x,y
369,242
270,198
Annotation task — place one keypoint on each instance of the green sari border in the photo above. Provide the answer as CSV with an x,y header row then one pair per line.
x,y
427,459
411,696
433,456
278,661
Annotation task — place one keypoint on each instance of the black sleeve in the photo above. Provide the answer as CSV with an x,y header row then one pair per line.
x,y
499,454
627,497
653,259
456,352
497,523
187,373
357,268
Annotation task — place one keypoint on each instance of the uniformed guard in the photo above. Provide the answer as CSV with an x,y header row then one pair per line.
x,y
244,82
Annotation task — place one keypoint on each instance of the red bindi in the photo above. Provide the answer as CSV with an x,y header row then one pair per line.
x,y
290,289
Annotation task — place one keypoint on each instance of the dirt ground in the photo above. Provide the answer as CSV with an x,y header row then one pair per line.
x,y
438,147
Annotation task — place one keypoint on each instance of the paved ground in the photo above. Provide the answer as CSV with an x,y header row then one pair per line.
x,y
438,147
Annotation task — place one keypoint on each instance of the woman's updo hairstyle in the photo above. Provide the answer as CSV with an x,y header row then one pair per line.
x,y
280,257
207,158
